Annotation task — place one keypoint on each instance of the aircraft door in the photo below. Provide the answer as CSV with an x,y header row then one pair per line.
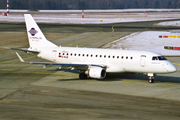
x,y
54,55
143,60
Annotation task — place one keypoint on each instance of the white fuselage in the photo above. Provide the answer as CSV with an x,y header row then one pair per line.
x,y
115,60
94,62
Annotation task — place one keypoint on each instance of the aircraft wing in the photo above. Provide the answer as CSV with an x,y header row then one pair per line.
x,y
64,65
171,48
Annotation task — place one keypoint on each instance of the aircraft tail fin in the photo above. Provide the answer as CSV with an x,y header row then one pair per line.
x,y
35,36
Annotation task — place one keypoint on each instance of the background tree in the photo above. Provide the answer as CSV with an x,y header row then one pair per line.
x,y
89,4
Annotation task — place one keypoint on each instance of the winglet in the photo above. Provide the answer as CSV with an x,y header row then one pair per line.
x,y
20,58
123,48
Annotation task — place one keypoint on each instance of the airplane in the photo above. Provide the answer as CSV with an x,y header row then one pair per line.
x,y
93,62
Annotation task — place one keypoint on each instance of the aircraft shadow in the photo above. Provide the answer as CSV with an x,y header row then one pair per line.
x,y
128,76
143,77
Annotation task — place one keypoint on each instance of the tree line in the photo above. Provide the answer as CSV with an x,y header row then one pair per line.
x,y
88,4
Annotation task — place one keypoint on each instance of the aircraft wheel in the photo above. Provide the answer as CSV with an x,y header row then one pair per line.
x,y
151,79
82,76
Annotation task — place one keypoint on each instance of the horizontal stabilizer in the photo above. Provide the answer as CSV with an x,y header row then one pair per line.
x,y
22,49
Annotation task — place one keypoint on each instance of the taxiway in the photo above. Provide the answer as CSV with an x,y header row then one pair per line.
x,y
31,92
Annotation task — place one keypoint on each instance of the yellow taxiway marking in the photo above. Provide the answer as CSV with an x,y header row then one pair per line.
x,y
176,63
113,28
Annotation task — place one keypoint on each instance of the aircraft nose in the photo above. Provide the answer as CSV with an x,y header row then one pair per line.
x,y
172,68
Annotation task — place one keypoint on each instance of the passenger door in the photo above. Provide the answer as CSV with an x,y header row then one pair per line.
x,y
143,60
54,55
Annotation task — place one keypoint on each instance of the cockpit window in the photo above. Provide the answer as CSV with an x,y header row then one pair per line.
x,y
158,58
155,58
161,58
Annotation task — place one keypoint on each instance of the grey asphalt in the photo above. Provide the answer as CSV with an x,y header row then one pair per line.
x,y
31,92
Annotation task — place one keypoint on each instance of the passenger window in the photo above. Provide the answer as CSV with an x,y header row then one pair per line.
x,y
87,55
83,55
71,54
117,57
131,58
79,54
96,55
113,56
91,55
109,56
67,54
63,53
100,56
104,56
75,54
122,57
126,57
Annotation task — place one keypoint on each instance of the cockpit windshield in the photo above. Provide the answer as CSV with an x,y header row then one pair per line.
x,y
161,58
158,58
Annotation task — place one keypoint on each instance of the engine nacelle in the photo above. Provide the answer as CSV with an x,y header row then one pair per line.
x,y
97,72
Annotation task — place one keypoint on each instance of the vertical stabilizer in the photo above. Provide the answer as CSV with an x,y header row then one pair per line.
x,y
35,36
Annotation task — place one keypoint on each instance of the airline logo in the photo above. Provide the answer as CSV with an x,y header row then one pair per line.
x,y
33,32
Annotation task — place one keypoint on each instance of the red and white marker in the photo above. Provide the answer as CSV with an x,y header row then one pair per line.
x,y
82,13
7,7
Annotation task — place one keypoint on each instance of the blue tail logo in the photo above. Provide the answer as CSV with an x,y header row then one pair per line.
x,y
33,31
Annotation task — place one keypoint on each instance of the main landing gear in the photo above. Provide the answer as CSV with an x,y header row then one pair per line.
x,y
82,76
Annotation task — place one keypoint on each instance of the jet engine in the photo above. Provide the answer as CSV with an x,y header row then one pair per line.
x,y
97,72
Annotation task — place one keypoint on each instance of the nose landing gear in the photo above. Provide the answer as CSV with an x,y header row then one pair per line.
x,y
151,77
